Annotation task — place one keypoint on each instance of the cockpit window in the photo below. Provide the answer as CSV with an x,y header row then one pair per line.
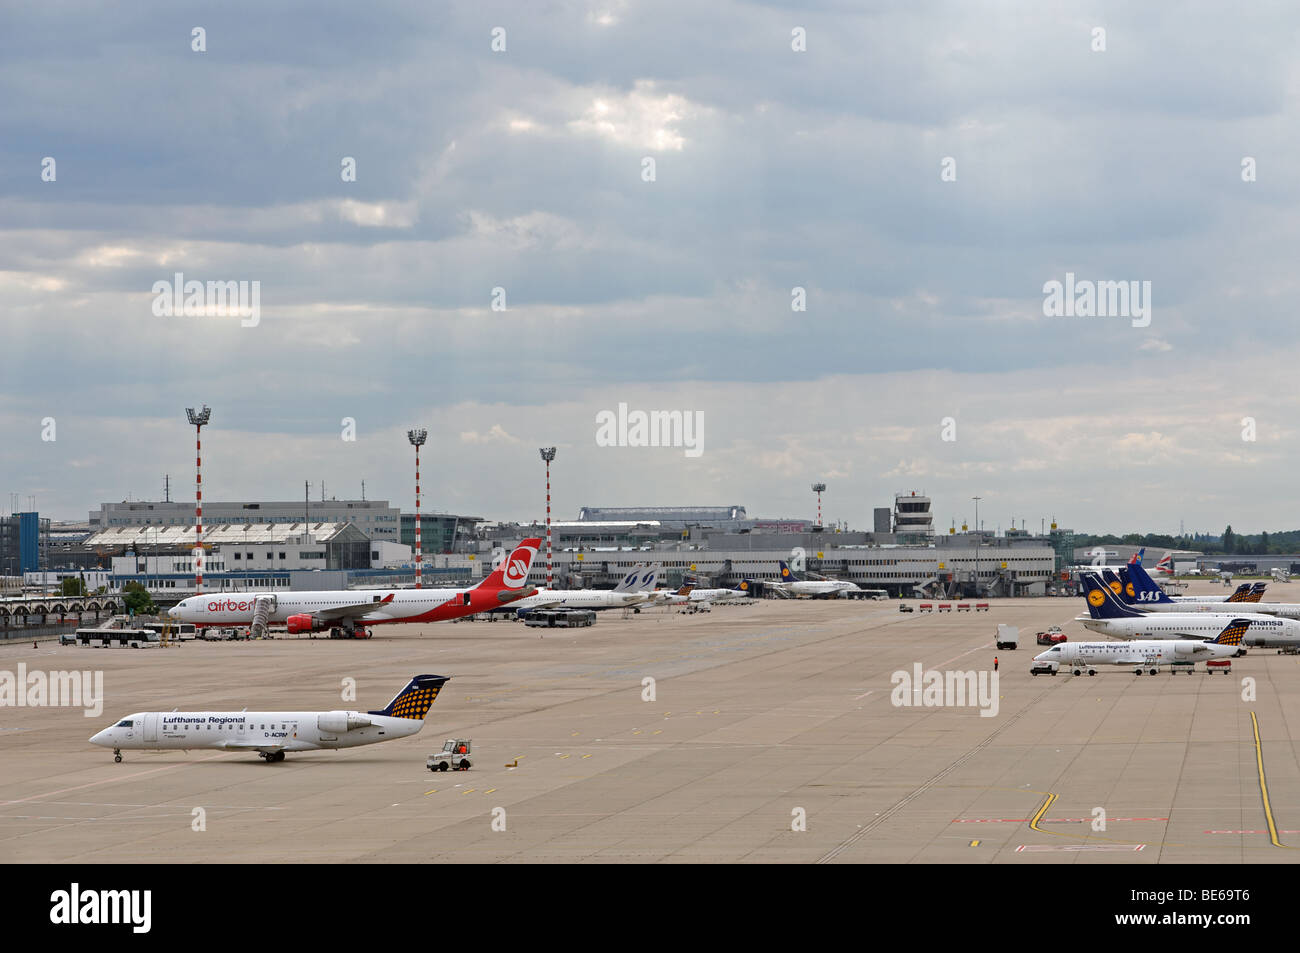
x,y
1056,648
124,723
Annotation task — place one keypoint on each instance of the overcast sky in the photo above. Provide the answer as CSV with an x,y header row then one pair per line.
x,y
774,168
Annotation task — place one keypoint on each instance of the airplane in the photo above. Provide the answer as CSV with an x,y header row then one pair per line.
x,y
1246,593
631,591
1134,587
1109,616
1148,654
347,609
272,733
719,595
1283,610
828,588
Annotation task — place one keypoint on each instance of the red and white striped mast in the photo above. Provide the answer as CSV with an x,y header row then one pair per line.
x,y
417,438
548,454
818,488
198,420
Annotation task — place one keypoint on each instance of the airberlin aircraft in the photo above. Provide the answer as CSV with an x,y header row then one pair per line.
x,y
348,608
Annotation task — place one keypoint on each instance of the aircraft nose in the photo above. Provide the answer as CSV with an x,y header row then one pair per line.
x,y
100,738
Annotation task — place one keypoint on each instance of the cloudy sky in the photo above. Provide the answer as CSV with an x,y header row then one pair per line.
x,y
920,169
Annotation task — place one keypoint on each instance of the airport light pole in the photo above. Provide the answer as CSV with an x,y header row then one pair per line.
x,y
417,438
198,420
819,488
977,543
548,454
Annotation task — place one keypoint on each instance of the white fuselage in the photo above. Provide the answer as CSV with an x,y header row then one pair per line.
x,y
716,595
580,599
1154,652
817,587
1264,629
406,605
247,730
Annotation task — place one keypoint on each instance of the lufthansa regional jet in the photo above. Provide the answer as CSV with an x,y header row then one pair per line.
x,y
272,733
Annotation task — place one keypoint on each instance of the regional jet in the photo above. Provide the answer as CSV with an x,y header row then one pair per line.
x,y
272,733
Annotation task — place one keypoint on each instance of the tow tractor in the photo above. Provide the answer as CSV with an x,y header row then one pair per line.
x,y
1078,667
454,754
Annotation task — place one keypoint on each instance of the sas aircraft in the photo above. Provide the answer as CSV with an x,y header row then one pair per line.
x,y
1109,616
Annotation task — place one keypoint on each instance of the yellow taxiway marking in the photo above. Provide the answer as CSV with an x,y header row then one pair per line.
x,y
489,790
585,756
563,756
469,791
974,843
573,735
1263,786
1033,823
637,732
434,791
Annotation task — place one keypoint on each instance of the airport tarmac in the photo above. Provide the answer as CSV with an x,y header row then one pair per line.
x,y
760,714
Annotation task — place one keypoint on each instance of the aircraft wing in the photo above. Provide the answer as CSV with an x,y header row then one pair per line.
x,y
354,611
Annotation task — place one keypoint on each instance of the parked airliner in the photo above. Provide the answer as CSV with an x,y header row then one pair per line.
x,y
348,608
828,588
1107,615
272,733
1147,654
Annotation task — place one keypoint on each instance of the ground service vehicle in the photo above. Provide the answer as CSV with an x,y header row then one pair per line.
x,y
454,754
1008,636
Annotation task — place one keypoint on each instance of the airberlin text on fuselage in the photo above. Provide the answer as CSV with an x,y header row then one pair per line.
x,y
230,605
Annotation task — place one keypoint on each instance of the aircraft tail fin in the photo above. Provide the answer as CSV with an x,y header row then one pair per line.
x,y
415,699
512,574
784,571
1102,603
631,582
1233,633
1145,590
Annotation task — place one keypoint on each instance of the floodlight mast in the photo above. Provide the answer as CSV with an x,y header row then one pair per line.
x,y
548,454
417,438
198,420
819,488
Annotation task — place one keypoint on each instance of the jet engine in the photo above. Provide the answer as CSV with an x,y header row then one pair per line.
x,y
338,722
305,622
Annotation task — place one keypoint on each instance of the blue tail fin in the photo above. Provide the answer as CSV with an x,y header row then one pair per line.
x,y
1233,634
1117,584
1145,591
415,699
784,571
1102,603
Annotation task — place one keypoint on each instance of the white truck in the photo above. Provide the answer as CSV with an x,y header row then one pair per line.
x,y
1008,636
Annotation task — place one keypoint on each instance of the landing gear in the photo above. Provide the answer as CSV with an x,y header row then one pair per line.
x,y
117,755
272,757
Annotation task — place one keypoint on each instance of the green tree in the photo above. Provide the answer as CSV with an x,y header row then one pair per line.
x,y
72,586
1263,543
137,599
1229,540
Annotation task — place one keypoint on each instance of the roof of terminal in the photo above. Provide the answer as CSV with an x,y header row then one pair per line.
x,y
147,536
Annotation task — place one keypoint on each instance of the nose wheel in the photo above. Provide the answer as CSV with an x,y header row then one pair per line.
x,y
117,755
